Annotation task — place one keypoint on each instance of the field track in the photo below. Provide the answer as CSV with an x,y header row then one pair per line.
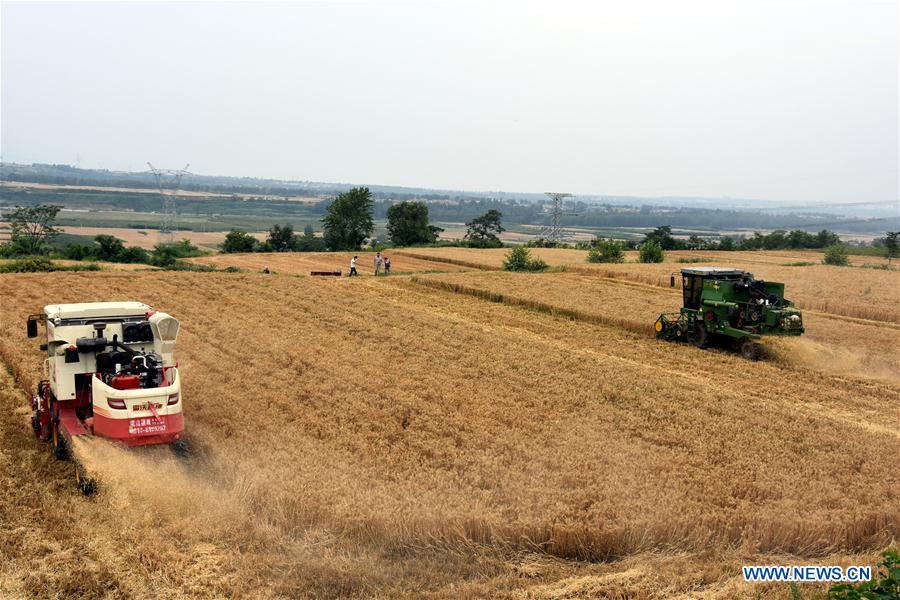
x,y
381,437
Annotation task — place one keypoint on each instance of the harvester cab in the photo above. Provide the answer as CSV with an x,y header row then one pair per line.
x,y
730,304
109,372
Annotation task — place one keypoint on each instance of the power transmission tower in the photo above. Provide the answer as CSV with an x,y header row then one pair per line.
x,y
554,232
168,222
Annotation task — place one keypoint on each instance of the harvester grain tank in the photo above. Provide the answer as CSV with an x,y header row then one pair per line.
x,y
110,372
730,304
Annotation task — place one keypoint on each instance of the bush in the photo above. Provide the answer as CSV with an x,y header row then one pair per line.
x,y
165,255
42,264
519,259
542,243
836,255
80,252
180,265
606,251
651,252
885,583
133,254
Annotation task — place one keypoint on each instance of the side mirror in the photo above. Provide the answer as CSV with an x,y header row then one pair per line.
x,y
32,328
672,280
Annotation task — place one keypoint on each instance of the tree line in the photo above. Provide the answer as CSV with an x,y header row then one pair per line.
x,y
348,224
33,231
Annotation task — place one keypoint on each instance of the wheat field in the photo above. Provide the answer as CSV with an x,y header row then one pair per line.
x,y
410,437
302,263
852,291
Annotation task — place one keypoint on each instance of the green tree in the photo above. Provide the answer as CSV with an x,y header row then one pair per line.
x,y
32,228
606,251
651,252
80,252
826,238
308,242
238,241
408,224
695,242
134,254
892,245
836,255
726,243
281,238
776,240
348,220
662,235
520,259
801,239
483,231
755,242
109,247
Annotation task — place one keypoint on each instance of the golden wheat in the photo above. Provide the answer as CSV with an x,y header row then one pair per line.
x,y
302,263
844,291
382,438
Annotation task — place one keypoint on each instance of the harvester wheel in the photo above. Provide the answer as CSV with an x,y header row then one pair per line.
x,y
58,443
83,483
699,336
750,349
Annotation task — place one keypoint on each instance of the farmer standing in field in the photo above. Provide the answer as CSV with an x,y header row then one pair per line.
x,y
353,267
387,265
377,263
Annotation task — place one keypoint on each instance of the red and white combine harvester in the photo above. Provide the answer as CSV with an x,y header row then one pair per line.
x,y
110,372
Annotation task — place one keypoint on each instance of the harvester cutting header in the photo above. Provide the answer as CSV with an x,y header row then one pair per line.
x,y
729,303
110,372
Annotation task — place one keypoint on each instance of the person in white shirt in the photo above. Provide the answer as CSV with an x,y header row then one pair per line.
x,y
377,263
353,267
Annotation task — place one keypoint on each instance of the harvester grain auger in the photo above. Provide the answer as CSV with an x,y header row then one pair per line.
x,y
110,372
732,305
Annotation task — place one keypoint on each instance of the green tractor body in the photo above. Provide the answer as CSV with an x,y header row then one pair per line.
x,y
729,303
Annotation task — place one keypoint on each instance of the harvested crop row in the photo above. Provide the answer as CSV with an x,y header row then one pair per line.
x,y
571,308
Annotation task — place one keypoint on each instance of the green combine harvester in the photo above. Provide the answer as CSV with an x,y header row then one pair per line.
x,y
729,304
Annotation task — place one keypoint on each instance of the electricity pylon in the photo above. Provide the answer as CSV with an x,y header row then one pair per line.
x,y
554,232
168,222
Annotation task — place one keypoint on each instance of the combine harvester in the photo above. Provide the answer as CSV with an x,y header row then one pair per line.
x,y
730,304
109,372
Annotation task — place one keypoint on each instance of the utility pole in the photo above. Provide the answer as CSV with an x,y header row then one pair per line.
x,y
168,222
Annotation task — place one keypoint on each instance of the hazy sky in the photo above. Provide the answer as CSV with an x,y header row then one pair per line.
x,y
788,100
